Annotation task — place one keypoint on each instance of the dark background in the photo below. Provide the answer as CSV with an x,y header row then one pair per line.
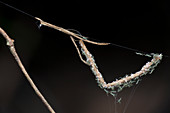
x,y
53,63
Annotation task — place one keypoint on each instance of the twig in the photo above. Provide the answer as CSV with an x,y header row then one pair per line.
x,y
78,51
68,32
10,43
127,81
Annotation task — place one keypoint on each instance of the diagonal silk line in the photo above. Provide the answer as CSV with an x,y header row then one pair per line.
x,y
17,9
80,36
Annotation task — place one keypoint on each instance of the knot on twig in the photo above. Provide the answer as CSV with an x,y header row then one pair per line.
x,y
10,43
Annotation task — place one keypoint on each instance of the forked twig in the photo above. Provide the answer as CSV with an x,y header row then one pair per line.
x,y
78,51
10,43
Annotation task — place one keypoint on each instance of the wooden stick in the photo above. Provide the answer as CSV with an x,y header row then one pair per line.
x,y
123,82
78,51
10,43
68,32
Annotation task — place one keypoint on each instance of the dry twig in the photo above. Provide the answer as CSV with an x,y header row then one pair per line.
x,y
127,81
90,61
68,32
10,43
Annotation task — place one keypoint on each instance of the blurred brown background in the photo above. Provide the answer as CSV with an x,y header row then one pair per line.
x,y
53,63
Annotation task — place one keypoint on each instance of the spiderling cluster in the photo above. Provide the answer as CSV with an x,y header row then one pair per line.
x,y
128,80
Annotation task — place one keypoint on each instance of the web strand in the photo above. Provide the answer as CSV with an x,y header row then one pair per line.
x,y
79,35
17,9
